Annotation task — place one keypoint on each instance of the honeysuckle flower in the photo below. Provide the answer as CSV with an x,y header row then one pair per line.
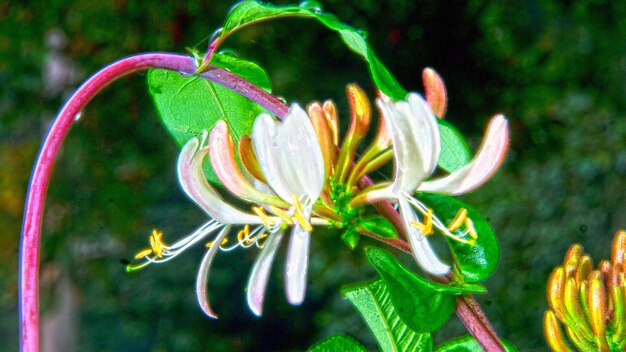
x,y
589,303
416,146
288,158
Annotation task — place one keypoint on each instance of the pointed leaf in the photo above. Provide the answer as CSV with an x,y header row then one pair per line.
x,y
373,302
249,12
422,305
477,262
189,105
468,344
338,343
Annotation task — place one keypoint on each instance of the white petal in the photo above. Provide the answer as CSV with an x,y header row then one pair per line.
x,y
427,132
415,135
194,183
261,273
422,251
480,169
267,148
297,264
203,273
301,154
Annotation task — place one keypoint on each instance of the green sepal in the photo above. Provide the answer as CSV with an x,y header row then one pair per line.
x,y
351,237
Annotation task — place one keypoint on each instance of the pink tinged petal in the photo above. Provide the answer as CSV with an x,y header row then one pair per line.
x,y
267,149
426,132
203,273
415,136
481,168
297,264
261,272
302,159
422,251
194,184
222,154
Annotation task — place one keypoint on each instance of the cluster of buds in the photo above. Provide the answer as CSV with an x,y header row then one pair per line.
x,y
588,303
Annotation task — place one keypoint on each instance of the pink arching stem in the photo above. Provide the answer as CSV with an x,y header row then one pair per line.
x,y
33,211
467,310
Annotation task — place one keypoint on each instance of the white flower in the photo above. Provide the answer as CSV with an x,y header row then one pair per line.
x,y
289,157
416,146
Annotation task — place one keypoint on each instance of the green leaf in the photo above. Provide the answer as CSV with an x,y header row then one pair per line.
x,y
468,344
373,302
378,225
248,12
455,152
190,105
476,263
422,305
337,343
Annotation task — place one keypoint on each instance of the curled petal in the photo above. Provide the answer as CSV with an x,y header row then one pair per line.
x,y
298,261
194,183
203,274
422,251
415,135
479,170
267,149
260,273
302,159
222,154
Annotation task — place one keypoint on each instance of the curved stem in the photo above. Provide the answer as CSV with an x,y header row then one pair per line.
x,y
468,310
33,211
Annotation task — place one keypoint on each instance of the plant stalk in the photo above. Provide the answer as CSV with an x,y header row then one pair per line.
x,y
468,310
35,200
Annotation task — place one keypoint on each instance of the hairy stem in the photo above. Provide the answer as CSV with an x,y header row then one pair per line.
x,y
34,207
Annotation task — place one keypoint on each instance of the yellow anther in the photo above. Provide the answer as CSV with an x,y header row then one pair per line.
x,y
143,253
470,228
210,243
157,244
243,234
299,215
259,238
265,219
426,228
281,214
458,220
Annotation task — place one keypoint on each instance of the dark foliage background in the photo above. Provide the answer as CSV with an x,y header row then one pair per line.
x,y
557,69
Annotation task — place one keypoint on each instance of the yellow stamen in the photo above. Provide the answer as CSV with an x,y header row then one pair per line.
x,y
210,243
281,214
242,235
265,219
157,244
299,215
259,238
143,253
458,220
470,228
427,226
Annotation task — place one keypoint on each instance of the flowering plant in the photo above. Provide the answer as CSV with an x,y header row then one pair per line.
x,y
264,171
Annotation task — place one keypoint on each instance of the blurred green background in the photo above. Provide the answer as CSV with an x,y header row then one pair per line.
x,y
557,69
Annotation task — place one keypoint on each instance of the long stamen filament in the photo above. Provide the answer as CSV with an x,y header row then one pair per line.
x,y
299,214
